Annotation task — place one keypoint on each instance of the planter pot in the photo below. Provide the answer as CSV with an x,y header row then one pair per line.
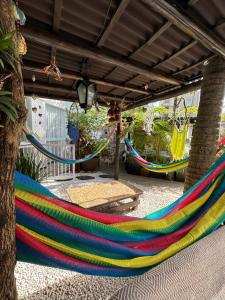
x,y
180,176
144,172
158,175
132,167
90,165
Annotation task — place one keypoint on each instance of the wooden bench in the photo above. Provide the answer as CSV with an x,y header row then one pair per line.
x,y
113,196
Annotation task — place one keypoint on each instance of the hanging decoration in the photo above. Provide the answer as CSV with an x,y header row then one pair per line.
x,y
19,14
114,112
178,141
20,21
72,129
177,146
33,77
22,46
53,70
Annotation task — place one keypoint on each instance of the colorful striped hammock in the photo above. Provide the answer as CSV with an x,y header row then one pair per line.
x,y
53,232
52,156
158,168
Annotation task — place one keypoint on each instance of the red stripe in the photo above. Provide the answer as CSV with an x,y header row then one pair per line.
x,y
46,250
96,216
197,191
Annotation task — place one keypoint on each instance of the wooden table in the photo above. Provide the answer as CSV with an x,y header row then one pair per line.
x,y
113,196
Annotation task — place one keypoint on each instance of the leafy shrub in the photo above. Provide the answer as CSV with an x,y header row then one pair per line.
x,y
27,164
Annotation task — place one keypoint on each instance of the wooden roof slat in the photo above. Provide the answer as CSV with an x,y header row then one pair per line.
x,y
177,53
120,10
58,5
185,48
43,37
155,35
196,64
94,80
188,25
166,95
69,92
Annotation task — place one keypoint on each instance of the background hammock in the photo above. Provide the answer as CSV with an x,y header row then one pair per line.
x,y
52,156
54,232
159,168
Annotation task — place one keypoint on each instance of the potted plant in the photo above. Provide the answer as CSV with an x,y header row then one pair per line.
x,y
90,165
90,126
28,165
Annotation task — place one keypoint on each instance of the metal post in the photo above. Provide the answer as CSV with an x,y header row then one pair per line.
x,y
117,153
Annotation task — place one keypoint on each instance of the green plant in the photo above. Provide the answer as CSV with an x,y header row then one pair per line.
x,y
28,165
7,106
160,137
89,124
6,43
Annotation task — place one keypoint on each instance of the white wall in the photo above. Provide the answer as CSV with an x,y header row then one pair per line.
x,y
47,119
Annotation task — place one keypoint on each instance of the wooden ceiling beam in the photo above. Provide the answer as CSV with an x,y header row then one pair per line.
x,y
58,5
42,37
155,35
166,95
177,53
69,92
120,10
185,48
94,80
188,25
196,64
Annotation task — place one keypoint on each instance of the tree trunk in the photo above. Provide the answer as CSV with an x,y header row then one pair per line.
x,y
9,141
206,130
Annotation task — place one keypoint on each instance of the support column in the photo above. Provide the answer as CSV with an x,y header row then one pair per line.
x,y
206,130
117,153
10,134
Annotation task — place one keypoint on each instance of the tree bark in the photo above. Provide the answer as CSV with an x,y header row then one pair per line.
x,y
9,141
206,130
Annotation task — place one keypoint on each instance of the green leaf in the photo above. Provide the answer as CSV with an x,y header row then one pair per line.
x,y
1,63
9,35
3,93
8,112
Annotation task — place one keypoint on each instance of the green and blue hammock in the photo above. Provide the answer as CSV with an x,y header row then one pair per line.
x,y
158,168
53,232
31,138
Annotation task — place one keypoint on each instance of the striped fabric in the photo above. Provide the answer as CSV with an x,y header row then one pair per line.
x,y
158,168
53,232
52,156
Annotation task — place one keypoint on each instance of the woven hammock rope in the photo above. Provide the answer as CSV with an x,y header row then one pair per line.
x,y
158,168
53,232
52,156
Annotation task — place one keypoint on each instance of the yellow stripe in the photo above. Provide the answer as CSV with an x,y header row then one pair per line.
x,y
166,169
215,212
169,220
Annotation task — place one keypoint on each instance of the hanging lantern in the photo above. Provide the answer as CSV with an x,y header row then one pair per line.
x,y
86,94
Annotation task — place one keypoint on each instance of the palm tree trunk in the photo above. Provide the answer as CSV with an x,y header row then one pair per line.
x,y
206,130
9,141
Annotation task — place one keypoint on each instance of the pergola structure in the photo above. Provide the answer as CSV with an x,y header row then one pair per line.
x,y
136,51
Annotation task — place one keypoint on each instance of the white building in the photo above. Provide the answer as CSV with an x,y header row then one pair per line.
x,y
47,119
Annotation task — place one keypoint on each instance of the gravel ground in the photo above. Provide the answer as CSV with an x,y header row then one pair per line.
x,y
42,283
